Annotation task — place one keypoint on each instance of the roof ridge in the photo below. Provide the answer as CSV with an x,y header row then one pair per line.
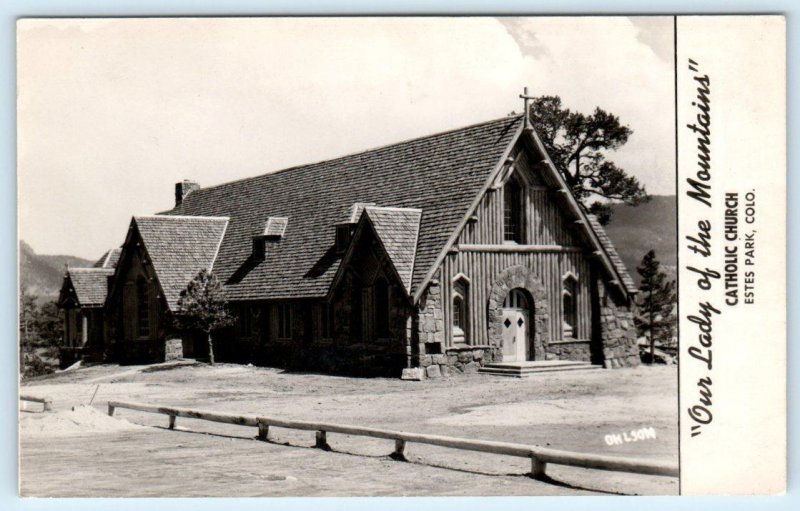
x,y
184,217
395,208
516,117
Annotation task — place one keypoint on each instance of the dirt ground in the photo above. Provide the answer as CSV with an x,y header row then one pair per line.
x,y
79,453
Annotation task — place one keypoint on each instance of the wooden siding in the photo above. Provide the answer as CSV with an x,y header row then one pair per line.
x,y
545,223
135,270
552,249
481,268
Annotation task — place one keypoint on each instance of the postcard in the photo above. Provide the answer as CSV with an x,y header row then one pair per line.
x,y
402,256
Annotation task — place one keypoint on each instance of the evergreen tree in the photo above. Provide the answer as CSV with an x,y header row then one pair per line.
x,y
41,329
202,306
578,144
656,318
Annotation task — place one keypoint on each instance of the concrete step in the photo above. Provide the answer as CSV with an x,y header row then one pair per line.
x,y
520,369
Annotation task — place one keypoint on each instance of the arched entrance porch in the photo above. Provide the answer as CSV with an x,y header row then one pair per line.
x,y
529,298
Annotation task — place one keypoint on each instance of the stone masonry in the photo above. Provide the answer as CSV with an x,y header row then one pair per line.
x,y
617,332
520,277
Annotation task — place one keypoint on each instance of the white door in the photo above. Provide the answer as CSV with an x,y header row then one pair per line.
x,y
515,327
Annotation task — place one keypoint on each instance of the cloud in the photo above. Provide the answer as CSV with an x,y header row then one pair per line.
x,y
113,112
657,32
525,37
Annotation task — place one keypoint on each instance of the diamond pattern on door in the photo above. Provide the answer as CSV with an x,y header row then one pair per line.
x,y
507,323
520,322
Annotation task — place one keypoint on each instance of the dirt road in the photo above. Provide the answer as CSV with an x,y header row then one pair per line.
x,y
572,410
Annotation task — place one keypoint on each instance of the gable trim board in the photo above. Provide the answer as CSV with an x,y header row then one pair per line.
x,y
504,166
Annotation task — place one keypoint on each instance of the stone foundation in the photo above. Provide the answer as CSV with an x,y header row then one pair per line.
x,y
618,334
455,360
569,350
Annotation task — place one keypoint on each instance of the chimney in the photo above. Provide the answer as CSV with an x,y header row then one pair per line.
x,y
183,189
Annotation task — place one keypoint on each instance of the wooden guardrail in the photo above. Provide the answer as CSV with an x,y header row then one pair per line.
x,y
46,401
539,456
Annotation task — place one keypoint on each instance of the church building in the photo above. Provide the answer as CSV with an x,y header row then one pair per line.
x,y
458,252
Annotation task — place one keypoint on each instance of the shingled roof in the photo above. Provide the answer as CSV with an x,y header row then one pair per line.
x,y
90,285
398,230
109,259
179,247
616,260
439,174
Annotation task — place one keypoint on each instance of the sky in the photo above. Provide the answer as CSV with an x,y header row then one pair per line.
x,y
113,112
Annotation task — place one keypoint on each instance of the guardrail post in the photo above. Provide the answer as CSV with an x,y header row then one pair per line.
x,y
322,441
539,456
399,453
171,422
263,431
48,405
537,468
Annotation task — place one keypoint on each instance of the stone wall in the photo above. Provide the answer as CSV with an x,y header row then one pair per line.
x,y
429,357
617,331
572,350
173,349
426,329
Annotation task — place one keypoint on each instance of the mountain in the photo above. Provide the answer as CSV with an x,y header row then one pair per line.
x,y
41,275
637,229
634,231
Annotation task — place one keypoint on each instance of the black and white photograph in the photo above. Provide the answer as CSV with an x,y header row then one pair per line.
x,y
364,256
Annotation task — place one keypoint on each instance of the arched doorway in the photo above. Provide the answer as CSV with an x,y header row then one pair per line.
x,y
517,324
522,278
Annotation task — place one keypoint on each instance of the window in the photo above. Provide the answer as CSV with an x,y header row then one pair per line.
x,y
326,320
516,299
513,218
142,309
460,311
569,297
284,321
382,308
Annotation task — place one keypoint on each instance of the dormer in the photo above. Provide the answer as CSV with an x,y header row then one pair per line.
x,y
273,232
345,230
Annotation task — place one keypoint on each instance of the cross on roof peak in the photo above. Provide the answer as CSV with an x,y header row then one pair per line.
x,y
526,112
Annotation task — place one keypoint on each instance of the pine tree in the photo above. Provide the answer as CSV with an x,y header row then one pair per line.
x,y
579,145
656,317
202,306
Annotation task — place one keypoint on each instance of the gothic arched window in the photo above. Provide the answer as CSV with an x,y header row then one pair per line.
x,y
461,311
569,296
513,211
